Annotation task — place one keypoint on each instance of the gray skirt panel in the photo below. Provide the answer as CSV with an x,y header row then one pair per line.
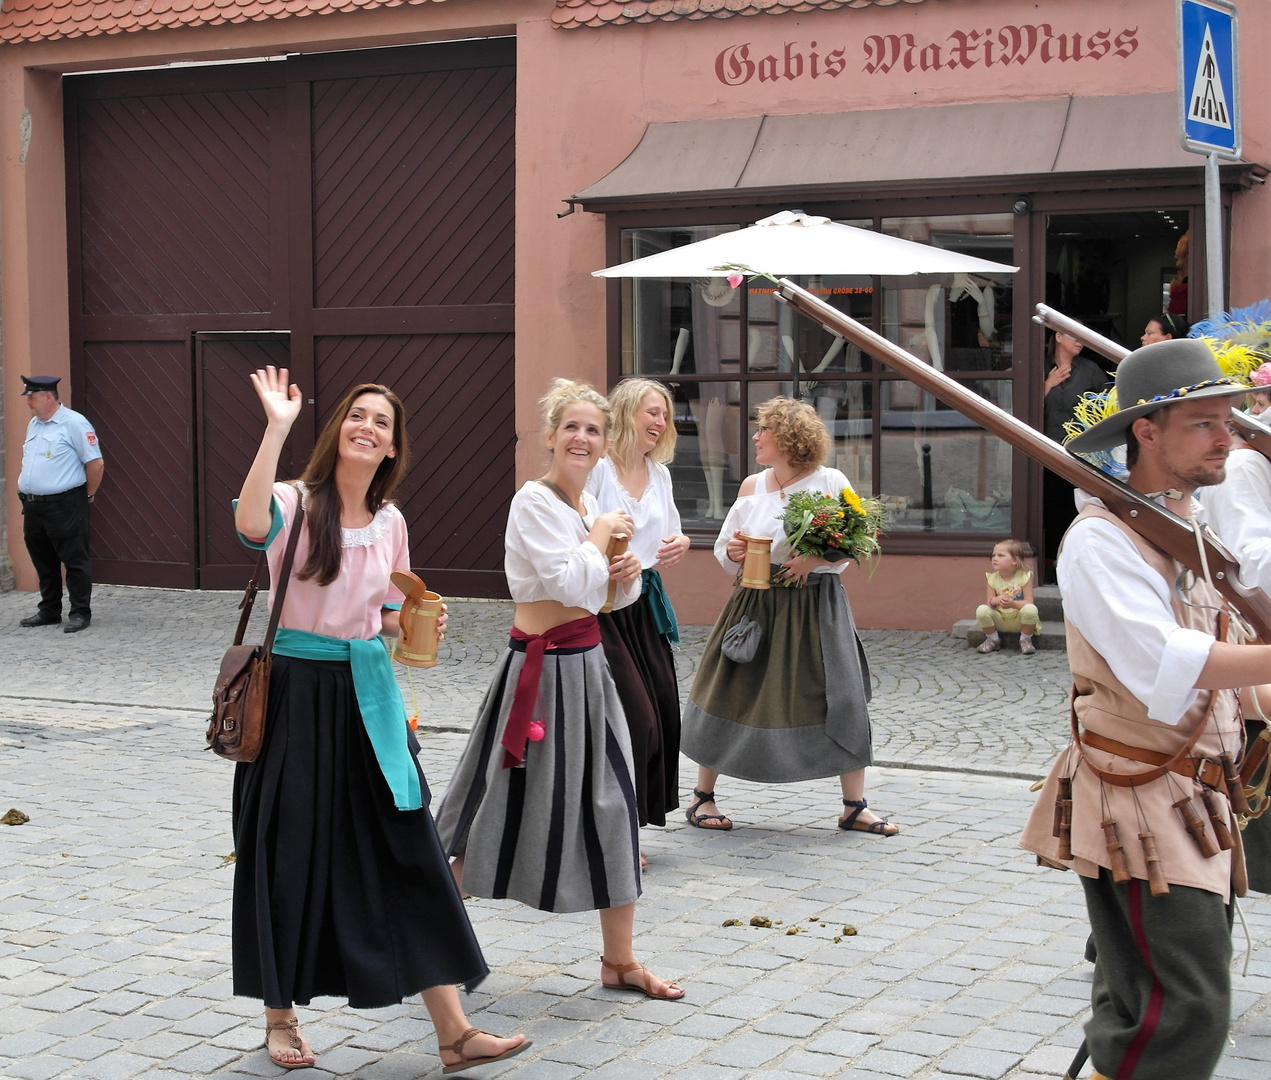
x,y
560,832
734,724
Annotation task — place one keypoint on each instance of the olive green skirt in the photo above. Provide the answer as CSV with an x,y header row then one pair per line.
x,y
798,710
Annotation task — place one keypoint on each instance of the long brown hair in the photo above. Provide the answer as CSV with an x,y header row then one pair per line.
x,y
323,509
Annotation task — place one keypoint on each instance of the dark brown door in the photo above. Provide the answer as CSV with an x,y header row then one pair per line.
x,y
361,201
230,422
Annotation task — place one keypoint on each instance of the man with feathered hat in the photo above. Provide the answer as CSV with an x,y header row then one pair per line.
x,y
1137,804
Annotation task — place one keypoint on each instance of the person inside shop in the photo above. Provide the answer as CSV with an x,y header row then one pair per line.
x,y
341,888
1070,373
62,469
1154,684
1164,327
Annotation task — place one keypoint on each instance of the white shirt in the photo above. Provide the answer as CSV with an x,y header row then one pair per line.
x,y
547,555
760,515
653,514
1239,511
1122,607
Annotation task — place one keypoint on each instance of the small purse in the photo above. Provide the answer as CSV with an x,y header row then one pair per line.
x,y
240,697
741,641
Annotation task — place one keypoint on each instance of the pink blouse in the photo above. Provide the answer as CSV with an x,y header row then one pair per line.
x,y
350,606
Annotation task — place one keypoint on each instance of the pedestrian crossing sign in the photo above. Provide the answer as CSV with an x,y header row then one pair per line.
x,y
1208,77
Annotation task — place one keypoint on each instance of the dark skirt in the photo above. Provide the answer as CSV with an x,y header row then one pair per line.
x,y
797,711
336,891
644,673
559,832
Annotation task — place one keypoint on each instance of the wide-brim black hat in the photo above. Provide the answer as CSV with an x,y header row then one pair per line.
x,y
1160,374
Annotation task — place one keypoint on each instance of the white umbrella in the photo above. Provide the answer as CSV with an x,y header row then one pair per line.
x,y
792,242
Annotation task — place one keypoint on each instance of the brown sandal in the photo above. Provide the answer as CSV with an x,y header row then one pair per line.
x,y
645,986
456,1047
292,1027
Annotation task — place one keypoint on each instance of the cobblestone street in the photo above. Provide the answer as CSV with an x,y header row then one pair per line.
x,y
966,960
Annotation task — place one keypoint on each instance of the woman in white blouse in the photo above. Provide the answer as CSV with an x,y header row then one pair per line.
x,y
542,805
633,478
797,709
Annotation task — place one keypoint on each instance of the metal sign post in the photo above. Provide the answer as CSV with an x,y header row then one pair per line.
x,y
1209,111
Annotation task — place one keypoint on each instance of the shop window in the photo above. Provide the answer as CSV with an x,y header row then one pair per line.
x,y
724,351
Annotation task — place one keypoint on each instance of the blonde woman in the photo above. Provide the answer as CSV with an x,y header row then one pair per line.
x,y
797,709
542,807
633,478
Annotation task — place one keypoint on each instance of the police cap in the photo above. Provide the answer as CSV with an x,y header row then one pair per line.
x,y
33,384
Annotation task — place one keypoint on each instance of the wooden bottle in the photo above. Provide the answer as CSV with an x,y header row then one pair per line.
x,y
1064,812
1221,833
1235,786
1196,827
1155,875
1116,853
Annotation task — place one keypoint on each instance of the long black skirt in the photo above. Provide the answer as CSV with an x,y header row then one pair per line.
x,y
644,673
336,891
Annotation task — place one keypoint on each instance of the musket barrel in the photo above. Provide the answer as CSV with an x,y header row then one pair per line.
x,y
1167,531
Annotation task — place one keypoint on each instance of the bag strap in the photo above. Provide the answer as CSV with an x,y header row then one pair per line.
x,y
280,591
249,598
559,494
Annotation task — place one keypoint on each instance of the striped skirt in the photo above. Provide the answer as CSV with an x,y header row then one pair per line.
x,y
559,832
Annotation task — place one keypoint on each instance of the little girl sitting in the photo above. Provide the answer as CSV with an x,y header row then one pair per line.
x,y
1009,604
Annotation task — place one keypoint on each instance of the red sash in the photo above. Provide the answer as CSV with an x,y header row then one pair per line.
x,y
578,634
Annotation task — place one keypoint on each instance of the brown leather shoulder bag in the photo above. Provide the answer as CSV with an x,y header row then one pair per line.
x,y
240,697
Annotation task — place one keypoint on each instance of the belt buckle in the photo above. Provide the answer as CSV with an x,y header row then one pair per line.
x,y
1201,764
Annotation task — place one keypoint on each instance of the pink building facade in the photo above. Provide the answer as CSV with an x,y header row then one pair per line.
x,y
1043,135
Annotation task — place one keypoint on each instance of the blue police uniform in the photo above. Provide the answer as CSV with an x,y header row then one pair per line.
x,y
52,487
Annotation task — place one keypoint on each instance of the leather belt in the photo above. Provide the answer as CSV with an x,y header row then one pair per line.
x,y
24,497
1203,769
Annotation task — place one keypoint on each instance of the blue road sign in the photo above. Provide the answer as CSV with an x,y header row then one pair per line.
x,y
1209,77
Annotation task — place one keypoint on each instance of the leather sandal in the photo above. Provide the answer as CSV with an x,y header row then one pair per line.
x,y
644,986
292,1027
456,1047
700,821
878,828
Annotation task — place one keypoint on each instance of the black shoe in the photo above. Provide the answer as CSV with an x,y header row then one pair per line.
x,y
39,619
76,623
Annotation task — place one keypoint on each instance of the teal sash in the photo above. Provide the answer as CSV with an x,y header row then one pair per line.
x,y
378,698
660,604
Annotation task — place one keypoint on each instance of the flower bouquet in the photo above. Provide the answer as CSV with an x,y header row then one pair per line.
x,y
834,527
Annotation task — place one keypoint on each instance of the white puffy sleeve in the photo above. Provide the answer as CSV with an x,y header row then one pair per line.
x,y
548,556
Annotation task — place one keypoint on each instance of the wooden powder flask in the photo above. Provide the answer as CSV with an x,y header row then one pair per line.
x,y
1063,810
1235,785
1155,875
1221,833
756,568
1117,862
617,546
417,634
1196,827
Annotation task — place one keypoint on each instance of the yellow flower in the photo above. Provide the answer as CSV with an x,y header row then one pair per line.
x,y
853,500
839,514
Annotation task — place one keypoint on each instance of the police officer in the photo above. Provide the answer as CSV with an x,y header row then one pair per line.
x,y
61,470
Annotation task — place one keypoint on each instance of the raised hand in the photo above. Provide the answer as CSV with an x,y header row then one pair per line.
x,y
281,400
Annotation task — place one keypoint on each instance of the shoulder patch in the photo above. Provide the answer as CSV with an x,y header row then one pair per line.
x,y
92,438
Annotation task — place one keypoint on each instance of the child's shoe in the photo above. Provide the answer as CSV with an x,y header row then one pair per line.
x,y
1026,646
990,644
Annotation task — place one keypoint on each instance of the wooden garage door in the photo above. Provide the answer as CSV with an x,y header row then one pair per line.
x,y
360,202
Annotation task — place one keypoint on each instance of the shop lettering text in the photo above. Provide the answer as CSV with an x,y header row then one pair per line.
x,y
962,49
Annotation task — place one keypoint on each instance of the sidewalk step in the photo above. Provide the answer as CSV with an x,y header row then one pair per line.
x,y
1050,606
970,630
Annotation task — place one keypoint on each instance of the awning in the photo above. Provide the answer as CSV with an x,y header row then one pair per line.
x,y
840,153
